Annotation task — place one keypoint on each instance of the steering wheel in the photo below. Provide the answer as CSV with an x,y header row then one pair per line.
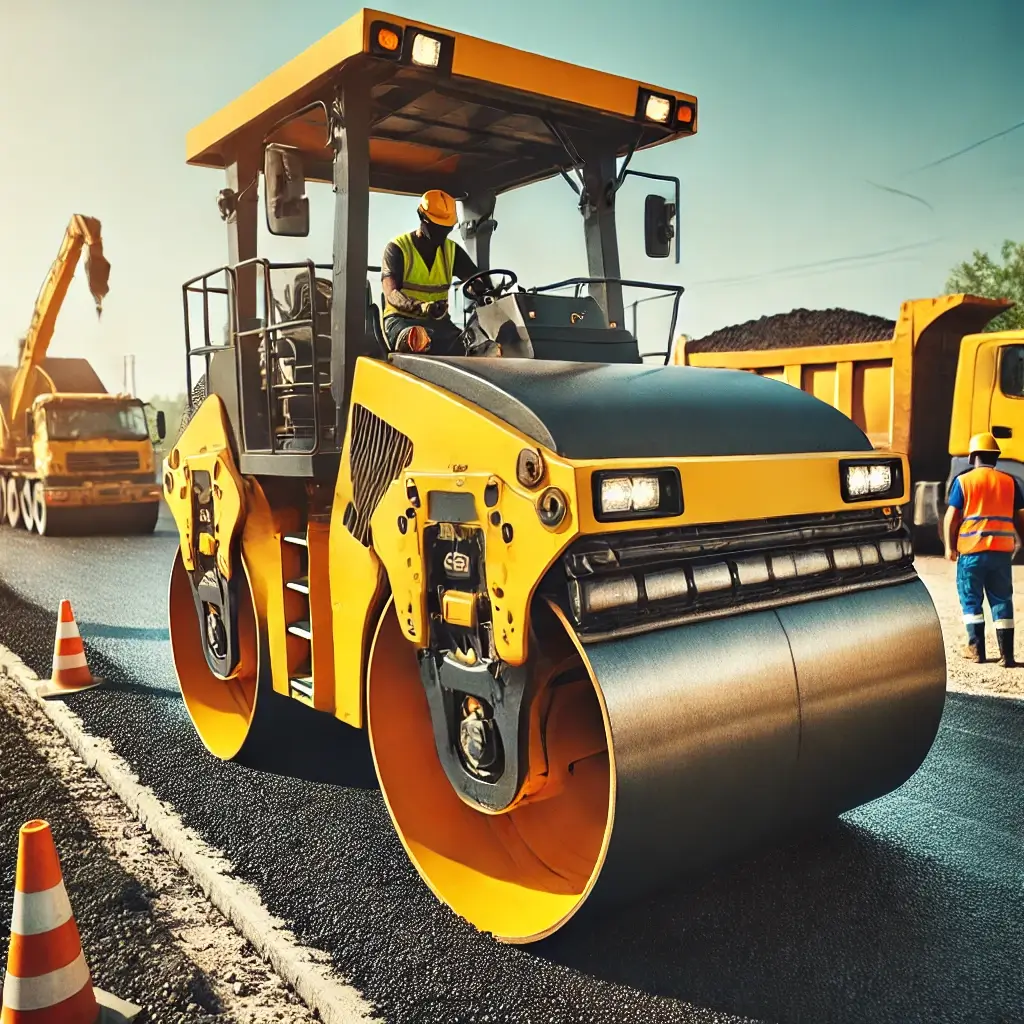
x,y
508,280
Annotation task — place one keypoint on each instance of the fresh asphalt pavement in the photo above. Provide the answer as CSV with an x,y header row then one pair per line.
x,y
905,910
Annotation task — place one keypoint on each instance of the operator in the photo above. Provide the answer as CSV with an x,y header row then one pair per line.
x,y
416,272
984,518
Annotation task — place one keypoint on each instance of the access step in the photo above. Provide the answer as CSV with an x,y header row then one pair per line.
x,y
302,685
300,586
301,628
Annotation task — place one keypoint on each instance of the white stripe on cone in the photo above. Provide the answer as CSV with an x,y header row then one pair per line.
x,y
63,662
39,912
48,989
66,630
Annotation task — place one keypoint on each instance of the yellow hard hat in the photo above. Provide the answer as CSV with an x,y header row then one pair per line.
x,y
983,443
438,207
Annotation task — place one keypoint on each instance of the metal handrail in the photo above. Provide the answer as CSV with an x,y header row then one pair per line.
x,y
675,291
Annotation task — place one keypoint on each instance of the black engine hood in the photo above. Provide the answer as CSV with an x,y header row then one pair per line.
x,y
631,411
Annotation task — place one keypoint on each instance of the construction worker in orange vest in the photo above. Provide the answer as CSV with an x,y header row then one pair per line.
x,y
984,518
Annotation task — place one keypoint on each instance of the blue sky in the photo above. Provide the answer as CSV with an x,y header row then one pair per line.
x,y
803,104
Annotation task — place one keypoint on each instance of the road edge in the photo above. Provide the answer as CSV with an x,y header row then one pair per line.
x,y
307,972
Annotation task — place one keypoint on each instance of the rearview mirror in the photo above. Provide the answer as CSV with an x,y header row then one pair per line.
x,y
285,192
658,228
161,424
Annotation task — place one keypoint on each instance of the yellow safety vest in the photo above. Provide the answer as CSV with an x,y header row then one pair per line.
x,y
418,282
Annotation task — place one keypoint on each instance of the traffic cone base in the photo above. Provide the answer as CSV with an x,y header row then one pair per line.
x,y
70,673
47,979
114,1010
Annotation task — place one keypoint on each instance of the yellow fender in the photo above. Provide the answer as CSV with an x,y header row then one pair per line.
x,y
207,437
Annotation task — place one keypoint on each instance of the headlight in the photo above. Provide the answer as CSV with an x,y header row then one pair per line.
x,y
870,479
637,494
629,494
426,50
652,106
658,108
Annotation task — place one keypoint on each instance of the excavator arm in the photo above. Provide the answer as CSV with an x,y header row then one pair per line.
x,y
81,231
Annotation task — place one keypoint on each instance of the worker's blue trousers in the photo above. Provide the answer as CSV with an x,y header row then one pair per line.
x,y
987,573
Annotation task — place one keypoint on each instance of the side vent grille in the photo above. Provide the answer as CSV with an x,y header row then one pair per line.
x,y
379,454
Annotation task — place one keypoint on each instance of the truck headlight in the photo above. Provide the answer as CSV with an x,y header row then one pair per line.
x,y
637,494
870,479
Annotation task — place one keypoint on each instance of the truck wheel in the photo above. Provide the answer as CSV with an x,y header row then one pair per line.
x,y
12,502
39,516
144,517
26,505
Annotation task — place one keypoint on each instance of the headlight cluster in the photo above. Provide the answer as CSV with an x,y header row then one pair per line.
x,y
870,479
639,494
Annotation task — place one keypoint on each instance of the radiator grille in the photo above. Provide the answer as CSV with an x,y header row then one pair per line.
x,y
102,462
378,456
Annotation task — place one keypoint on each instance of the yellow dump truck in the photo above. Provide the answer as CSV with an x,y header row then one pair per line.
x,y
604,622
921,385
73,459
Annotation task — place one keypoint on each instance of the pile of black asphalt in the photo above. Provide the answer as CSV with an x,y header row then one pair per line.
x,y
795,329
129,953
905,910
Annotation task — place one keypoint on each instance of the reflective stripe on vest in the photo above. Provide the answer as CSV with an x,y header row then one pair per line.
x,y
988,511
418,282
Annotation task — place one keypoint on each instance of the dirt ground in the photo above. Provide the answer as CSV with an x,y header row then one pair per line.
x,y
148,934
939,577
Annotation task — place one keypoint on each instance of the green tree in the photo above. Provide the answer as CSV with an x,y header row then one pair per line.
x,y
991,280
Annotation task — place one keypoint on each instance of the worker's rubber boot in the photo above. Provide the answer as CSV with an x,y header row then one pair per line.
x,y
413,339
975,649
1005,638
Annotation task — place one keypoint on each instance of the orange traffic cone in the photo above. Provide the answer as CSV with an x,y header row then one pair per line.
x,y
48,980
70,670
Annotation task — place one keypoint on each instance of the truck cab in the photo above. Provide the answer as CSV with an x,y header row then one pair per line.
x,y
989,396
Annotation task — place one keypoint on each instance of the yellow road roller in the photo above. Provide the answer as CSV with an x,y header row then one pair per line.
x,y
606,621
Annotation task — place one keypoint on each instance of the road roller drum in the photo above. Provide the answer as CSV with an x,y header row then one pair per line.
x,y
681,746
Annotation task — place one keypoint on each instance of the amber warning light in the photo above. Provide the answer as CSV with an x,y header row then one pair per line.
x,y
387,39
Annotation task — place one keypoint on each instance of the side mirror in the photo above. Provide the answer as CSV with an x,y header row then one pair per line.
x,y
161,424
285,192
658,228
30,424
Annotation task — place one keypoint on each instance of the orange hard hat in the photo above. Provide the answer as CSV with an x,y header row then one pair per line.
x,y
438,207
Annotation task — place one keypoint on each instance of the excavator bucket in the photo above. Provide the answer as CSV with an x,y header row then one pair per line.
x,y
97,273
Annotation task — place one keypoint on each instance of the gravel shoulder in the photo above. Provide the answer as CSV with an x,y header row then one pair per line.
x,y
148,934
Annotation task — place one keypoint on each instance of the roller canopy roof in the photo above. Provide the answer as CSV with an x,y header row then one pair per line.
x,y
630,411
488,117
